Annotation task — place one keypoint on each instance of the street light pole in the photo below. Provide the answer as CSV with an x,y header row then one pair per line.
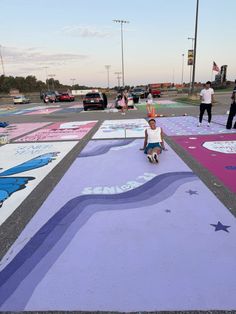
x,y
195,47
108,78
190,80
3,71
52,77
122,48
46,72
182,78
118,77
73,81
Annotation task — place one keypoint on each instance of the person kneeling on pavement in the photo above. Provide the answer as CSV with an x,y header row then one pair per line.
x,y
153,142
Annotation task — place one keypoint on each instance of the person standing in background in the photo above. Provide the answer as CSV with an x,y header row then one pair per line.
x,y
206,98
232,111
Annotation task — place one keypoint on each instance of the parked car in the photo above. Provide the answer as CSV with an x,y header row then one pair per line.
x,y
130,101
66,97
139,92
21,99
50,96
155,90
94,100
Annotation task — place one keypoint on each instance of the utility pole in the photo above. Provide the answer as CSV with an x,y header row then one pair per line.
x,y
3,71
107,66
52,77
182,76
118,76
73,81
122,48
46,72
190,80
195,48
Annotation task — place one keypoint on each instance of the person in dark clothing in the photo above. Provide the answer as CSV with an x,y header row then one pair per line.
x,y
232,110
105,99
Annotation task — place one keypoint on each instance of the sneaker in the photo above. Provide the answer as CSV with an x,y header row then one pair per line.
x,y
155,157
208,124
199,124
150,159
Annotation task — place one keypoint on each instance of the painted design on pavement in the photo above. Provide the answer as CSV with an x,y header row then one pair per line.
x,y
70,110
18,129
217,153
60,131
41,111
221,119
163,104
151,239
187,125
9,185
121,129
25,158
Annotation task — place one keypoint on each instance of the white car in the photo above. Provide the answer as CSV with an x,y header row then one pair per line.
x,y
21,99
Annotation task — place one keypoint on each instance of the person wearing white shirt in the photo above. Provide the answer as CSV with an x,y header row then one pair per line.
x,y
206,98
153,142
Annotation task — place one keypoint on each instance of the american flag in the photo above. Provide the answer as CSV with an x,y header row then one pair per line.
x,y
215,67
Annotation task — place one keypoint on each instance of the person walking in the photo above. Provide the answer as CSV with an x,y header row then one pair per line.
x,y
232,110
206,98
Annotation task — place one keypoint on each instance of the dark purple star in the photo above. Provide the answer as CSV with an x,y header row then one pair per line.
x,y
220,226
191,192
168,211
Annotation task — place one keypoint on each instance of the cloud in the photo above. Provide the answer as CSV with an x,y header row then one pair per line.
x,y
13,55
85,31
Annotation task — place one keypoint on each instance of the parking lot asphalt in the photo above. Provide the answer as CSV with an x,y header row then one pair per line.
x,y
13,226
10,229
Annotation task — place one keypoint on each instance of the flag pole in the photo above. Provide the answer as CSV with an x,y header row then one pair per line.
x,y
211,75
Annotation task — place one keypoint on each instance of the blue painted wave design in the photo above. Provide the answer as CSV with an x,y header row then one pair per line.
x,y
104,148
62,227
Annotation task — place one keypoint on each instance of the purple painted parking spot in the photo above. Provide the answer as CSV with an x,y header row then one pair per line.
x,y
187,125
120,234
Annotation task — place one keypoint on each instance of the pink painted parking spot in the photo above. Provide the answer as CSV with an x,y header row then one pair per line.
x,y
18,129
60,131
42,111
217,153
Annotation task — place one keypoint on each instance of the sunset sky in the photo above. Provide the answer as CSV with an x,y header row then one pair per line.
x,y
75,39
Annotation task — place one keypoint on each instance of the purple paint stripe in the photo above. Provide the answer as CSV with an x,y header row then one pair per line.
x,y
154,191
104,148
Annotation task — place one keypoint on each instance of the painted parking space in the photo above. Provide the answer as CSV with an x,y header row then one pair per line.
x,y
60,131
217,153
23,166
220,118
120,234
121,129
163,104
17,129
187,125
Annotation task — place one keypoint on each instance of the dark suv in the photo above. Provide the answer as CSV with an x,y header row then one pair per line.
x,y
95,100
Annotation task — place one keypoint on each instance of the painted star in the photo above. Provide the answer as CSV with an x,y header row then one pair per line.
x,y
220,226
191,192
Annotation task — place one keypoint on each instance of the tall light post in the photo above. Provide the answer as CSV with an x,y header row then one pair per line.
x,y
107,66
118,77
73,81
3,71
195,47
52,77
46,73
182,76
190,80
122,48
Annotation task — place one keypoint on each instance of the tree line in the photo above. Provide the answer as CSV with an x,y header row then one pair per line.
x,y
30,84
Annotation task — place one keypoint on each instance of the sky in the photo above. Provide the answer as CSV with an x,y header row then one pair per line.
x,y
73,40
